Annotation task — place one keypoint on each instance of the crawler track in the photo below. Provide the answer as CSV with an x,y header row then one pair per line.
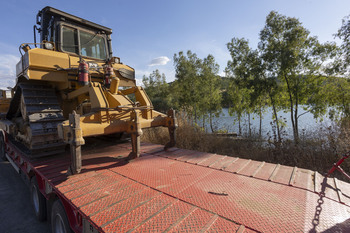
x,y
36,111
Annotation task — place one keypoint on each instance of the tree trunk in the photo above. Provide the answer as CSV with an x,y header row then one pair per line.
x,y
195,115
249,128
211,122
203,124
239,126
276,119
292,113
296,136
260,122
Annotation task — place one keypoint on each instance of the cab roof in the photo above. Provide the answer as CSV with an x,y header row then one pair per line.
x,y
52,11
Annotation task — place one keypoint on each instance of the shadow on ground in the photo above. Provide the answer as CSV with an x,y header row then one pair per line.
x,y
16,215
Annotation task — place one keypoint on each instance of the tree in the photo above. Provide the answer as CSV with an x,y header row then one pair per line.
x,y
158,90
337,93
246,72
239,98
187,83
339,97
197,87
342,64
293,57
211,102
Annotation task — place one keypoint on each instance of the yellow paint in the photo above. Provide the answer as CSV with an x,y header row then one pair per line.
x,y
61,70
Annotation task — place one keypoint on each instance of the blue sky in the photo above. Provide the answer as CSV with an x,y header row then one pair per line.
x,y
147,34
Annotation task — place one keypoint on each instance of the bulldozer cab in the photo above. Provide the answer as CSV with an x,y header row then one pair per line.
x,y
67,33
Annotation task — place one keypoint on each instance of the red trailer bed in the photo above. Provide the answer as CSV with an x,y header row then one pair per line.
x,y
188,191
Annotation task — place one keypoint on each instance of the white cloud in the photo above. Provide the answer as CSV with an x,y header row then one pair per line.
x,y
159,61
8,70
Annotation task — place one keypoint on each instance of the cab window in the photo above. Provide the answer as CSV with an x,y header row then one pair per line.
x,y
83,43
92,45
69,40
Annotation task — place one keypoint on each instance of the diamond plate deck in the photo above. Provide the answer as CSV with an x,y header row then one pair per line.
x,y
189,191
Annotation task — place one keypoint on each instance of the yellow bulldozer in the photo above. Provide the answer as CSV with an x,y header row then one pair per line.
x,y
70,86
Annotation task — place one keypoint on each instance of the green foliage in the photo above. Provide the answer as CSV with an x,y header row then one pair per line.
x,y
248,88
339,88
343,62
211,100
158,90
284,72
187,84
289,68
338,97
197,86
293,57
224,87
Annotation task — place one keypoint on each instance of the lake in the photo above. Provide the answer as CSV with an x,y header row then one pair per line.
x,y
230,123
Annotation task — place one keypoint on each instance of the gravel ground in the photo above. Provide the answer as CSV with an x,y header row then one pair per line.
x,y
16,213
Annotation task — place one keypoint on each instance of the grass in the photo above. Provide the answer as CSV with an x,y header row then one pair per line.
x,y
317,150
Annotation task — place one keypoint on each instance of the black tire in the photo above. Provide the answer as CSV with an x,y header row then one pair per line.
x,y
59,220
2,147
38,200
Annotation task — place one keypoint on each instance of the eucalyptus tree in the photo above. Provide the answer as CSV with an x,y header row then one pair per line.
x,y
187,83
238,71
293,57
342,67
247,74
340,97
210,89
158,90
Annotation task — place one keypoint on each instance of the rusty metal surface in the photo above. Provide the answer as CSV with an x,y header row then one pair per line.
x,y
187,191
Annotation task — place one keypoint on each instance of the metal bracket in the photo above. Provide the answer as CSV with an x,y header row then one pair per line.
x,y
171,122
48,188
76,140
136,132
88,227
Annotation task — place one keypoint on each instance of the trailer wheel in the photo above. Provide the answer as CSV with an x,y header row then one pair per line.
x,y
59,220
2,147
38,200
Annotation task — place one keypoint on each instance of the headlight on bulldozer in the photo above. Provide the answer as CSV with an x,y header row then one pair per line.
x,y
48,46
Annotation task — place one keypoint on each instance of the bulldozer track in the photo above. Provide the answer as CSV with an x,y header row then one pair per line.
x,y
38,105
